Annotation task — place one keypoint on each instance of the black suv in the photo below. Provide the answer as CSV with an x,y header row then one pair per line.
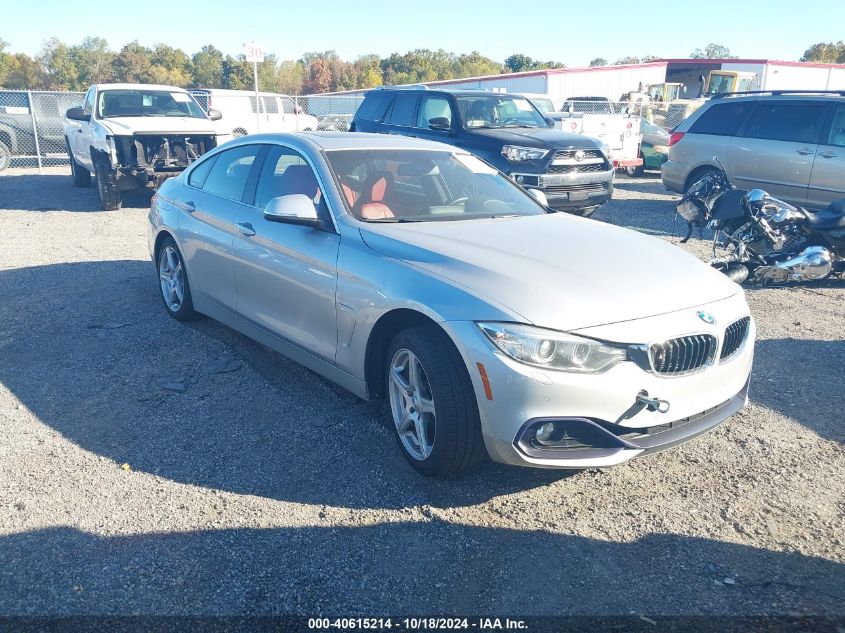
x,y
506,130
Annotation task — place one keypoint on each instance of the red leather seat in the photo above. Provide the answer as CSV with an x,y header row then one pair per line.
x,y
372,206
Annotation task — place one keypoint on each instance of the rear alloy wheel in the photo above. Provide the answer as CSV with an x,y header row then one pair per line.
x,y
81,176
173,282
5,157
432,403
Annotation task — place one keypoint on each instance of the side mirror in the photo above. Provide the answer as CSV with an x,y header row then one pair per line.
x,y
77,114
539,196
295,208
550,121
214,115
439,123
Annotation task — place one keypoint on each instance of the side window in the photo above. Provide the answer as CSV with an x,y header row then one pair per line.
x,y
722,119
285,172
798,123
402,112
288,106
433,108
227,177
271,105
837,128
200,173
88,104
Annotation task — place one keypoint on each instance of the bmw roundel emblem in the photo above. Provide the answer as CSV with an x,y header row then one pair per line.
x,y
706,317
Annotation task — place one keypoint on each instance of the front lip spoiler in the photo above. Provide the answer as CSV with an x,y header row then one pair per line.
x,y
622,443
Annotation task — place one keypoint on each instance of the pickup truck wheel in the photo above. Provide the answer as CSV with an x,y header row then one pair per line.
x,y
81,176
107,187
5,157
432,403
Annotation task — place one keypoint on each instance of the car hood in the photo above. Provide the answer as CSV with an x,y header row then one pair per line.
x,y
152,125
539,137
556,271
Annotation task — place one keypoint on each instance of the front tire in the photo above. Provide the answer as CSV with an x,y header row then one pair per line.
x,y
432,403
81,176
174,288
107,186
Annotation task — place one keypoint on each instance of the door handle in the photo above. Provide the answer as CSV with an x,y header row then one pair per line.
x,y
245,228
804,151
189,206
828,155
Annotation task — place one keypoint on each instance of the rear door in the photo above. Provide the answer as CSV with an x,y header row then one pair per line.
x,y
776,148
399,118
827,182
210,202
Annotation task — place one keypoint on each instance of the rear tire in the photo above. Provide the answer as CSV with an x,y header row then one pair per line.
x,y
442,399
107,187
697,175
81,176
5,157
174,289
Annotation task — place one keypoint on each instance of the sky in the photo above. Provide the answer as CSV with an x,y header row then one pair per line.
x,y
571,32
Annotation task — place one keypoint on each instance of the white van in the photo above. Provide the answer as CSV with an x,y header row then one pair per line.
x,y
275,112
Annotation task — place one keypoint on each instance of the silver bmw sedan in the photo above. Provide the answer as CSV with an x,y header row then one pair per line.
x,y
413,272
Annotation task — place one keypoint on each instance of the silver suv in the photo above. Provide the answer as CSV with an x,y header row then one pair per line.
x,y
791,144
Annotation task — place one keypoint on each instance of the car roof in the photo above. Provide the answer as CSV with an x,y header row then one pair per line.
x,y
786,96
458,93
348,140
139,87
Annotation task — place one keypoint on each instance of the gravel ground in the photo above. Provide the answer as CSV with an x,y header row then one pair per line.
x,y
152,467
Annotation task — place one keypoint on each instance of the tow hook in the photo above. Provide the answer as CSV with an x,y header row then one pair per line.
x,y
652,404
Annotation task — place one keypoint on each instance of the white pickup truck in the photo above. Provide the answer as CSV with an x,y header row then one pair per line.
x,y
599,118
134,136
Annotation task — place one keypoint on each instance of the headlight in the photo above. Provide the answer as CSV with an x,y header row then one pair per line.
x,y
605,149
551,349
515,153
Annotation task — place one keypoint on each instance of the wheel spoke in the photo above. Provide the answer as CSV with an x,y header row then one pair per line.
x,y
426,405
414,374
398,380
422,442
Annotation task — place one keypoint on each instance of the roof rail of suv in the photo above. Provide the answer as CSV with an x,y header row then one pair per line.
x,y
403,87
720,95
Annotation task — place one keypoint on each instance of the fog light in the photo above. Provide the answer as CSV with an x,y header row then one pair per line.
x,y
520,179
544,432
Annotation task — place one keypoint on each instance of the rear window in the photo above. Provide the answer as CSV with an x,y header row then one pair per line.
x,y
797,123
372,109
722,119
402,110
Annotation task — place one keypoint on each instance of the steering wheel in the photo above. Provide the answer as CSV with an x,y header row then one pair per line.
x,y
458,200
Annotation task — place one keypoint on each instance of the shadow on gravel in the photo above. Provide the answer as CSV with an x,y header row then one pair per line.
x,y
430,568
55,192
802,379
90,350
650,186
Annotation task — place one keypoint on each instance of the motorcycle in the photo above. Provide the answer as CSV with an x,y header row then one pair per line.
x,y
763,240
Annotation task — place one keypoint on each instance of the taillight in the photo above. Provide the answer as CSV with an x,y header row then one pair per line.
x,y
573,125
675,137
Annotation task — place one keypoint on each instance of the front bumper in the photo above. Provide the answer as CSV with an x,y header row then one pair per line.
x,y
571,190
523,396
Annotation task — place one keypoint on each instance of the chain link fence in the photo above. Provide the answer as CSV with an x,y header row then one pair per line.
x,y
663,115
31,127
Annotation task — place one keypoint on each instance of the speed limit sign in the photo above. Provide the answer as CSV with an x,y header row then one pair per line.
x,y
253,52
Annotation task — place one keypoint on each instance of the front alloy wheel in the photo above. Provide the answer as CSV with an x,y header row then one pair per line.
x,y
412,404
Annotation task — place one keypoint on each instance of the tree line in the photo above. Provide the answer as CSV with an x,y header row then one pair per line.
x,y
60,66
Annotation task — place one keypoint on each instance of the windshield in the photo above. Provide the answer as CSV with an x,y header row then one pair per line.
x,y
131,103
425,186
494,111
